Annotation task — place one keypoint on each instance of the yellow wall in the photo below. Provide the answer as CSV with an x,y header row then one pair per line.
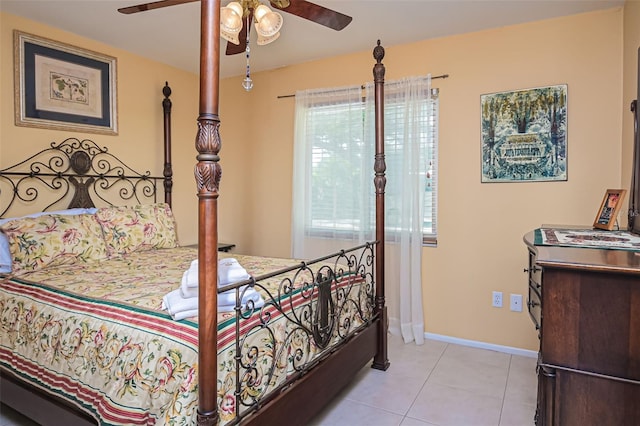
x,y
140,121
481,226
480,245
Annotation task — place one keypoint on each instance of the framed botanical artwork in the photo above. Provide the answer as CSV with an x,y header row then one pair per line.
x,y
609,208
63,87
524,135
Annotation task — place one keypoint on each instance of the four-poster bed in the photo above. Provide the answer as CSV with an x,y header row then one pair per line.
x,y
322,320
208,173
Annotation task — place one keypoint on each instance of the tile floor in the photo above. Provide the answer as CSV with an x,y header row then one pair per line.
x,y
438,383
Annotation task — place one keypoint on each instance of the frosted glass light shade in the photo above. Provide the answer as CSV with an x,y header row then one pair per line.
x,y
236,7
262,40
230,37
270,24
260,12
231,22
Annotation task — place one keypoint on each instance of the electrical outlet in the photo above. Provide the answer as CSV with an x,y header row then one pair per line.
x,y
516,302
497,299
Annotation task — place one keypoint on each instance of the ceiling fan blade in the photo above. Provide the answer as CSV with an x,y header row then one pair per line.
x,y
316,13
150,6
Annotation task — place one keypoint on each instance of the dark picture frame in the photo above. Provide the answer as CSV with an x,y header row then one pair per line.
x,y
63,87
609,209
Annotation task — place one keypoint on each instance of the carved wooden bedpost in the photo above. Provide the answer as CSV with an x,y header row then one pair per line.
x,y
168,171
381,360
207,174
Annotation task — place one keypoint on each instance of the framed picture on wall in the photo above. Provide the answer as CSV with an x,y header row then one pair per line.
x,y
63,87
609,208
524,135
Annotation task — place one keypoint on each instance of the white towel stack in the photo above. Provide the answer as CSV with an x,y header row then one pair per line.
x,y
189,284
180,307
230,271
183,302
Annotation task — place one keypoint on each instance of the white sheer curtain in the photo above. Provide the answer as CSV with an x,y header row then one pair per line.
x,y
407,121
333,199
331,210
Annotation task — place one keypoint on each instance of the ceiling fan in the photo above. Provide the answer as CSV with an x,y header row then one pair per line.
x,y
250,9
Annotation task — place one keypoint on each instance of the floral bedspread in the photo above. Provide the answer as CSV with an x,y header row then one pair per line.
x,y
120,364
95,335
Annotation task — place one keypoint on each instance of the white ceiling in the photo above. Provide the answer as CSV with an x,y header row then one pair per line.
x,y
171,35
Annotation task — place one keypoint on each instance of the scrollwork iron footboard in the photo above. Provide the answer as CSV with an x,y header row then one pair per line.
x,y
309,311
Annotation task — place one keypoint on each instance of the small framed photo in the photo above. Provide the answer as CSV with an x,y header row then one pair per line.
x,y
63,87
608,212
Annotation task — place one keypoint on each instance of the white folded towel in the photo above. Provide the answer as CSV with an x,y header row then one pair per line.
x,y
189,283
188,292
230,271
190,276
226,298
251,294
180,306
185,314
175,304
229,297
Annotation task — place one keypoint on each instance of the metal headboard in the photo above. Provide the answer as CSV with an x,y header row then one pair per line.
x,y
74,173
79,174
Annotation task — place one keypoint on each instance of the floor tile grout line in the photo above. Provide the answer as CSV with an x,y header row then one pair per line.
x,y
504,393
376,407
426,380
414,398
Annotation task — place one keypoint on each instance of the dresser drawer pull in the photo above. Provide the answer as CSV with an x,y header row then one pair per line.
x,y
533,270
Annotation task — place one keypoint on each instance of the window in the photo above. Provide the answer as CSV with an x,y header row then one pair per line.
x,y
333,169
338,158
405,125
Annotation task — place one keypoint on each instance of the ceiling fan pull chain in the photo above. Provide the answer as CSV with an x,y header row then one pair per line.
x,y
247,83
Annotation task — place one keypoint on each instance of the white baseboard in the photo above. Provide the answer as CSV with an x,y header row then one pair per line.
x,y
394,328
482,345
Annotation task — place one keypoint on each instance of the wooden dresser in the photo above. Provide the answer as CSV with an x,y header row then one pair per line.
x,y
585,304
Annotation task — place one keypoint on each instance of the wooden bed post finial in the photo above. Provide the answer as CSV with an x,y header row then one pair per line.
x,y
208,173
381,360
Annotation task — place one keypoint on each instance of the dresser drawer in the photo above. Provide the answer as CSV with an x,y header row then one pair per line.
x,y
534,297
534,305
534,272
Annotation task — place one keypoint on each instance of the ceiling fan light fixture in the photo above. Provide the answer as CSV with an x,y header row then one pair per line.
x,y
230,37
260,12
262,40
269,24
231,22
235,7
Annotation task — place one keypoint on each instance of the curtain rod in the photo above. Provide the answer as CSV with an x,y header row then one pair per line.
x,y
362,87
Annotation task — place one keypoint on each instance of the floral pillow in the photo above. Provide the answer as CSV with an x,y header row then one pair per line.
x,y
53,240
128,229
5,254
